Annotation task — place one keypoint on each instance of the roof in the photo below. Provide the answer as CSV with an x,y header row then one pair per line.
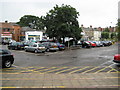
x,y
26,29
7,25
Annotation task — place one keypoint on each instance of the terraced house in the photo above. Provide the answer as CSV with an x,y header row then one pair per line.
x,y
91,33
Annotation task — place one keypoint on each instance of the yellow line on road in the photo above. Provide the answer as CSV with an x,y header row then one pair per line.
x,y
66,70
37,87
56,79
44,69
33,70
102,69
112,70
55,70
78,70
9,73
89,70
9,87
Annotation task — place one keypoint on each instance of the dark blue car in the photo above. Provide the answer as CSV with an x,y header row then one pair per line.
x,y
61,46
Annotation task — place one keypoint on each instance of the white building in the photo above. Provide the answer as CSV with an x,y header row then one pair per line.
x,y
33,35
97,35
91,34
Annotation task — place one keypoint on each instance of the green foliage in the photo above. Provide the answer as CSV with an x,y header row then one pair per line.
x,y
118,29
62,22
113,35
106,30
104,35
31,21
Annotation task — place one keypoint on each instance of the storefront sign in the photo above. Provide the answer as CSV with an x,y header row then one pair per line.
x,y
6,35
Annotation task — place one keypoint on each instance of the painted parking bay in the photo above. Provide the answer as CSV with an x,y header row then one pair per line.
x,y
62,70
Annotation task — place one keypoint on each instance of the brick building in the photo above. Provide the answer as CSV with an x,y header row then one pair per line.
x,y
9,31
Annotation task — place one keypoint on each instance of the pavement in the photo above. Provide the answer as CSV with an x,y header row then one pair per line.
x,y
37,80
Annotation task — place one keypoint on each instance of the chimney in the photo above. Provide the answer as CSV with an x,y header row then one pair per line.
x,y
6,21
81,25
90,26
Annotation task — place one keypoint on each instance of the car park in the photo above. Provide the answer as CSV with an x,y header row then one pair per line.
x,y
6,58
50,46
16,46
117,58
35,47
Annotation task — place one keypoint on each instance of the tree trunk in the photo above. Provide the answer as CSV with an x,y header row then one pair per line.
x,y
63,40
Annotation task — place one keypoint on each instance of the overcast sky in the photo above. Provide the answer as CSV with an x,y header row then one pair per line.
x,y
98,13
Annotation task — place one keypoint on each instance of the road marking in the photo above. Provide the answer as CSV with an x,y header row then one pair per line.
x,y
9,87
107,63
55,70
83,78
78,70
112,70
58,70
66,70
90,70
102,69
112,64
45,69
33,70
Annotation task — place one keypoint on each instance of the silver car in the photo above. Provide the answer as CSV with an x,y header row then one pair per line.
x,y
36,47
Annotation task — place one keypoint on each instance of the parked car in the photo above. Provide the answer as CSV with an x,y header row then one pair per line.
x,y
92,44
35,47
5,42
50,46
117,58
98,43
85,44
106,43
16,45
11,41
6,58
60,46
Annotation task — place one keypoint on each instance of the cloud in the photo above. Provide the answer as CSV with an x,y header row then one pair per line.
x,y
92,12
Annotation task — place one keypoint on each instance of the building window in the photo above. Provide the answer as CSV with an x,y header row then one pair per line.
x,y
4,29
8,29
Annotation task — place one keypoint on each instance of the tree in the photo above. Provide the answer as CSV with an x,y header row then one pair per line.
x,y
118,29
104,35
106,30
31,21
113,35
61,22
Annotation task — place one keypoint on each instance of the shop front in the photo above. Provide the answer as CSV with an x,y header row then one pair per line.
x,y
6,36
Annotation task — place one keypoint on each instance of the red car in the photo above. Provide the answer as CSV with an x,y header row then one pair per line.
x,y
92,44
117,58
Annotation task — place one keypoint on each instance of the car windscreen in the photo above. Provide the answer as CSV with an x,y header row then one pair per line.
x,y
18,43
40,45
53,44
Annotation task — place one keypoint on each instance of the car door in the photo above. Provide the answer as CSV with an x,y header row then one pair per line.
x,y
5,56
34,47
29,48
0,58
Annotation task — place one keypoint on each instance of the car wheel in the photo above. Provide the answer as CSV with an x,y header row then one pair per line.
x,y
7,64
9,48
36,51
48,50
25,50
